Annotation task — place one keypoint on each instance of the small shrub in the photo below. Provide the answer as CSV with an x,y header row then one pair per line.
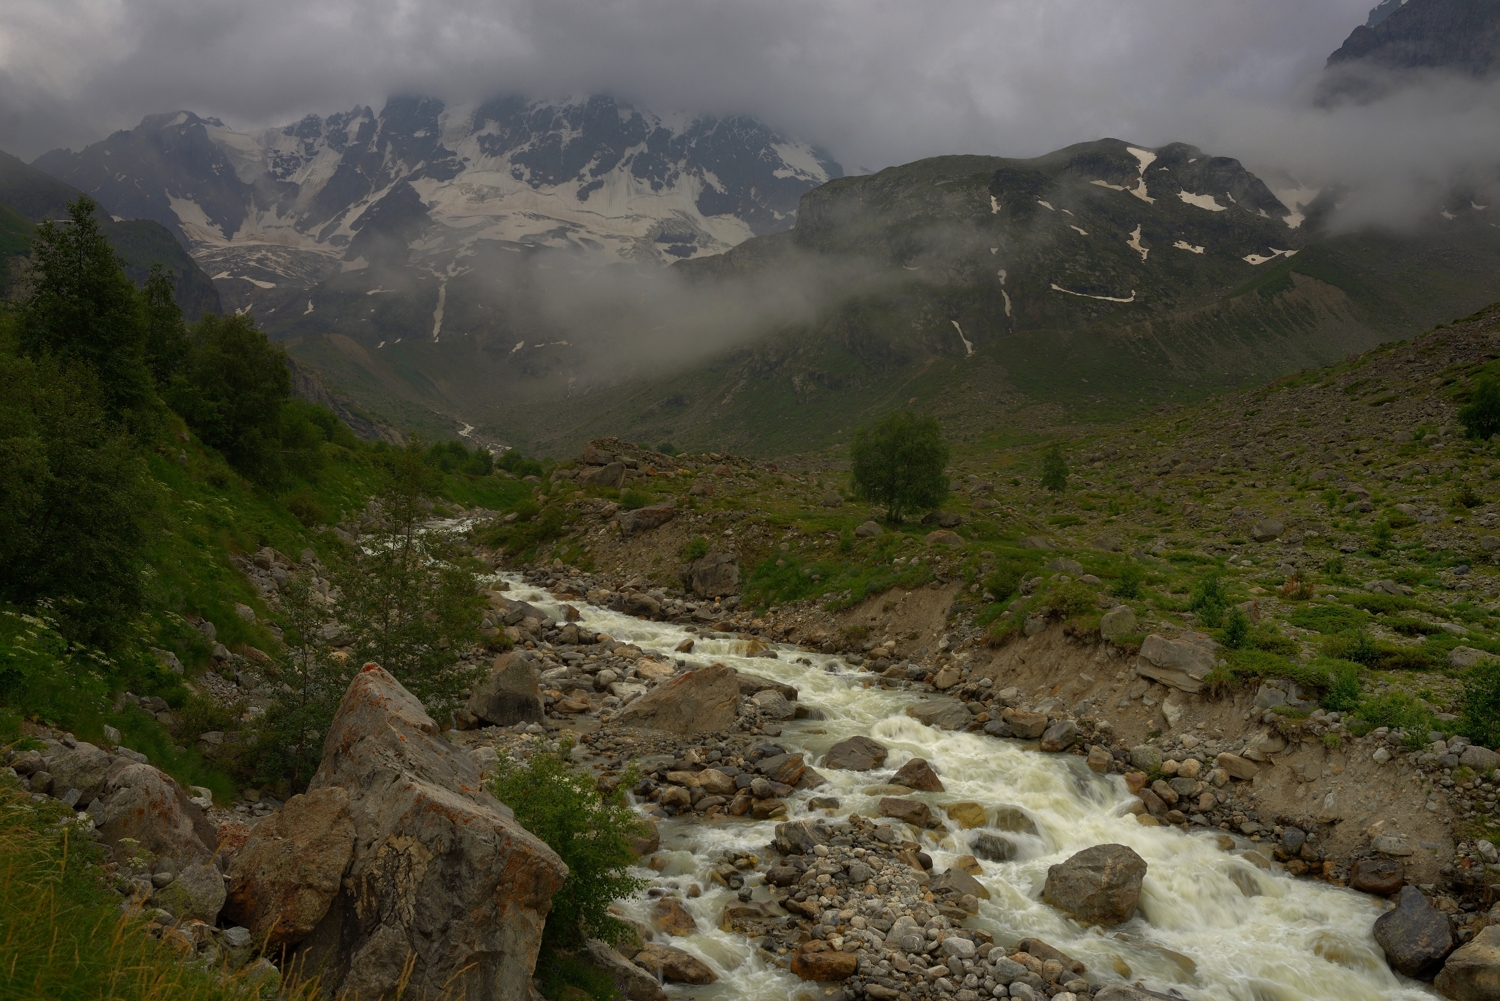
x,y
1004,580
1356,647
1380,537
696,549
633,500
1464,498
1236,628
1481,415
1073,598
1208,600
1268,638
304,506
1129,583
559,803
1334,567
1297,588
1343,687
1479,705
1399,711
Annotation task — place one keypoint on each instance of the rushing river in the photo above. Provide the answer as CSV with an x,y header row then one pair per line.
x,y
1211,925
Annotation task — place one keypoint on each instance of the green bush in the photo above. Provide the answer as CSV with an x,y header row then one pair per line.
x,y
1236,628
1398,710
632,500
1479,705
1209,599
1328,618
516,464
899,463
1054,470
1131,581
1073,598
1343,687
1005,579
453,457
1481,415
696,549
559,803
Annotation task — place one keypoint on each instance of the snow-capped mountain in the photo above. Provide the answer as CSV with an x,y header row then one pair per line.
x,y
424,182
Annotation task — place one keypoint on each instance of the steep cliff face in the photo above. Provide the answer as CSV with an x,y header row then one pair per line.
x,y
1459,35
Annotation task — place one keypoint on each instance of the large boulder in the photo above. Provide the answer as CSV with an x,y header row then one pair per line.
x,y
282,881
1098,886
147,805
716,575
196,893
943,713
918,774
856,754
646,518
672,965
701,701
609,475
754,684
510,694
445,890
1416,936
1380,876
1480,759
908,811
1118,621
1180,663
825,965
1472,973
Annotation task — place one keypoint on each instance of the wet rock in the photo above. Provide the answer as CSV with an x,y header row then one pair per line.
x,y
147,805
510,694
672,965
670,916
826,966
629,980
966,815
1099,885
787,769
715,782
1024,723
1060,736
753,684
856,754
1472,973
918,774
772,705
195,894
646,518
716,575
1416,936
960,882
1124,992
1380,876
1099,760
908,811
698,701
798,837
433,853
642,606
283,879
942,713
1180,663
1116,622
992,847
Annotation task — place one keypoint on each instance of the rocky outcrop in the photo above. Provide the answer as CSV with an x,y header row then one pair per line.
x,y
609,475
284,878
1098,886
1416,936
701,701
147,805
510,694
83,768
442,878
856,754
716,575
646,518
1472,973
1180,663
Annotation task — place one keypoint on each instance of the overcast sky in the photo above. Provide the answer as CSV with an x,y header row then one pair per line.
x,y
875,82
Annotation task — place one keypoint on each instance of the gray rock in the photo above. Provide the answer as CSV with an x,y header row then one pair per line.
x,y
629,980
992,847
752,684
716,575
1146,758
84,767
1124,992
441,879
1463,657
1472,973
646,518
1265,531
798,837
1034,542
197,892
1099,885
1180,663
510,694
1118,621
1416,936
1267,697
1395,845
609,475
700,701
957,947
1060,736
772,705
148,806
856,754
960,882
1481,759
1064,565
868,530
832,499
943,713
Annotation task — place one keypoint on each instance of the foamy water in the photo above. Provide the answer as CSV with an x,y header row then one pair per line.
x,y
1211,925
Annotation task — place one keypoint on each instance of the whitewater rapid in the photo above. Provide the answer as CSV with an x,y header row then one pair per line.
x,y
1211,925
